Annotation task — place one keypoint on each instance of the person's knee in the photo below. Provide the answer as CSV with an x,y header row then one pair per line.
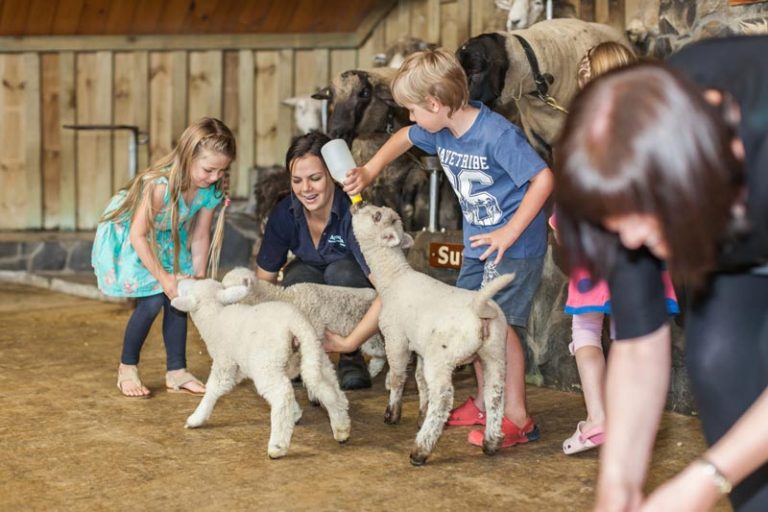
x,y
346,273
299,272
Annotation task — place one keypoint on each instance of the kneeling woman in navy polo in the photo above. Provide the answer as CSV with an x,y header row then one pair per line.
x,y
315,224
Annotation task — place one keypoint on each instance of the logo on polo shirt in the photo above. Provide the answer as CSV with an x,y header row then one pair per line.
x,y
337,239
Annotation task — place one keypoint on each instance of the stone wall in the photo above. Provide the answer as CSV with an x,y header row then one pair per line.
x,y
660,27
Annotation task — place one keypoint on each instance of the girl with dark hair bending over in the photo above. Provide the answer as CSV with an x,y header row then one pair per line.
x,y
652,167
315,224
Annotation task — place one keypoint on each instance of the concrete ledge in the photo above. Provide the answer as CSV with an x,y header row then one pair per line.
x,y
57,284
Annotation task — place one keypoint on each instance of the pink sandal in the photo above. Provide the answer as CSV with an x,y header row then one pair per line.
x,y
466,415
583,441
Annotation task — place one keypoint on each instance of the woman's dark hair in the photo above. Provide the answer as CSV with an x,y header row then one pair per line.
x,y
643,140
304,145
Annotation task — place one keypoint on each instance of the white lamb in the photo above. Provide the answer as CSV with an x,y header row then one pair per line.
x,y
308,113
337,308
257,342
445,326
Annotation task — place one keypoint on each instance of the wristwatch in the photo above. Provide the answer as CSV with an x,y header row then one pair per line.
x,y
718,478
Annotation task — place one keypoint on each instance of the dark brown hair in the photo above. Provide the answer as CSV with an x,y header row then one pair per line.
x,y
644,140
309,144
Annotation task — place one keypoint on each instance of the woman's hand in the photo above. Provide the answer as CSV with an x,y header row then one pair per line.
x,y
690,491
336,343
498,240
357,179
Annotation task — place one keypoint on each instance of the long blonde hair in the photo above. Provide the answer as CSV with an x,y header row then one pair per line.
x,y
206,133
602,58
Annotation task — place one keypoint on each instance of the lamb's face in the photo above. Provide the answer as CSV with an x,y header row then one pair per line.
x,y
239,276
380,225
193,293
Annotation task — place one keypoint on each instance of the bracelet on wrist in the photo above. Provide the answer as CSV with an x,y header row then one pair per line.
x,y
718,478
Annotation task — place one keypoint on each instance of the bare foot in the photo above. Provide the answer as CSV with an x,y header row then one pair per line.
x,y
193,385
131,386
336,343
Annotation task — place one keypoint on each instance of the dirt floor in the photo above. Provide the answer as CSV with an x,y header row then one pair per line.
x,y
71,442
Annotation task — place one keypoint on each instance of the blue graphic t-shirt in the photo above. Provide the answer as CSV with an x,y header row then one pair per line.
x,y
287,230
489,168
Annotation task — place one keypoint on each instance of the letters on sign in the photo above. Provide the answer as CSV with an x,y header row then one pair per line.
x,y
442,255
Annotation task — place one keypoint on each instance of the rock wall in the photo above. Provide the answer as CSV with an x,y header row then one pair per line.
x,y
659,28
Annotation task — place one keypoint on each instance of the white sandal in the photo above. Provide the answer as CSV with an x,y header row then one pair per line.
x,y
130,374
175,383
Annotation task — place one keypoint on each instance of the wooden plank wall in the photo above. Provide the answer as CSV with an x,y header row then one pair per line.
x,y
53,178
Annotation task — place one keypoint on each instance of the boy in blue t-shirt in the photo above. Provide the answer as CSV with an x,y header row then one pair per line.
x,y
502,185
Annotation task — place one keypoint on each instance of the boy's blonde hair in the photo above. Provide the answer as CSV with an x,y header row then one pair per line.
x,y
434,73
602,58
207,134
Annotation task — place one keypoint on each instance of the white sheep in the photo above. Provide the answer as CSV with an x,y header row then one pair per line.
x,y
446,327
337,308
257,342
308,113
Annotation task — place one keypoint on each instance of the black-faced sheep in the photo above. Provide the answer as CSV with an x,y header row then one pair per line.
x,y
446,327
257,342
500,73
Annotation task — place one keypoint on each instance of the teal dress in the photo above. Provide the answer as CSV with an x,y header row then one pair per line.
x,y
119,271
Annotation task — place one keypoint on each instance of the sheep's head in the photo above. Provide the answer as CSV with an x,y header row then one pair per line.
x,y
238,283
360,102
380,225
485,61
194,293
522,13
307,112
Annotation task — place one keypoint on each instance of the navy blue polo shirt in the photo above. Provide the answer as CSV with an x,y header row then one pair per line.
x,y
287,230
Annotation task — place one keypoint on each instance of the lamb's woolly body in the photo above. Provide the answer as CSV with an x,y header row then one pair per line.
x,y
337,308
441,323
257,342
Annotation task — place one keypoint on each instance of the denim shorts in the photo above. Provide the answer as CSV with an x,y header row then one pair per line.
x,y
516,299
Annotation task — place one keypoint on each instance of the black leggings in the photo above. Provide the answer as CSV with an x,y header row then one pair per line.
x,y
174,331
727,359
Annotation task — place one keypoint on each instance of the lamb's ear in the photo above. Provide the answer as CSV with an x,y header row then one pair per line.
x,y
390,238
384,93
186,304
323,94
407,241
232,294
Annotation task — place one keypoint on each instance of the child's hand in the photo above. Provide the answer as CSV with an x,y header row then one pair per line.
x,y
497,241
169,284
357,179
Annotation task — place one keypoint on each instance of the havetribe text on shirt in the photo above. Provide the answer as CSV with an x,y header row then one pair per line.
x,y
465,171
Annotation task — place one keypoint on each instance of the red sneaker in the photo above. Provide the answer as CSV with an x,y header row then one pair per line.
x,y
512,433
466,415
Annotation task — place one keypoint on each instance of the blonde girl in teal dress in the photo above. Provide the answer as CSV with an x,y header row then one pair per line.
x,y
156,230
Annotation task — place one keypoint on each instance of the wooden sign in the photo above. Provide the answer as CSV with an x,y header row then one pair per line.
x,y
444,255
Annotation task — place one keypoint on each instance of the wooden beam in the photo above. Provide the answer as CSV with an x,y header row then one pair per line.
x,y
371,22
246,127
191,42
68,138
32,141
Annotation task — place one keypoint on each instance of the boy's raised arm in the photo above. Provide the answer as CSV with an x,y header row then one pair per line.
x,y
360,177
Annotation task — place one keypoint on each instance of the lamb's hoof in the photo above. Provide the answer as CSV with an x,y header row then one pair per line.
x,y
490,448
193,423
341,435
391,417
277,452
418,459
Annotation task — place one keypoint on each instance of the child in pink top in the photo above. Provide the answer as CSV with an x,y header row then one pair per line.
x,y
588,301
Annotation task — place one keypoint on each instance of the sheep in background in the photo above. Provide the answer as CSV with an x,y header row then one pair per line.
x,y
446,327
499,72
396,54
524,13
257,342
308,113
364,114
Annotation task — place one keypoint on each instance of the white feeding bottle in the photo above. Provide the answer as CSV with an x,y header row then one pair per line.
x,y
339,161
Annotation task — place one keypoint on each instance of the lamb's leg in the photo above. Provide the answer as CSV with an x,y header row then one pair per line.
x,y
438,375
277,389
375,365
320,380
493,361
223,377
423,388
398,356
